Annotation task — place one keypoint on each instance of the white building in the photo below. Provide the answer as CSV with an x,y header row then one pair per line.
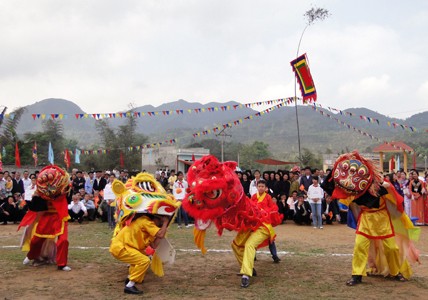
x,y
170,157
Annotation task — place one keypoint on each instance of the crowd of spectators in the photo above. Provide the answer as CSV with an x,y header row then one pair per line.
x,y
297,194
300,198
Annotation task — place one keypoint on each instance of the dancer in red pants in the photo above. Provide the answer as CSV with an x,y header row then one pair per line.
x,y
46,234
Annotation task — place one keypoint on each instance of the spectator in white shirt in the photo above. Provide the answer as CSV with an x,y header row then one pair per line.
x,y
254,182
29,190
179,191
26,180
315,196
76,209
110,199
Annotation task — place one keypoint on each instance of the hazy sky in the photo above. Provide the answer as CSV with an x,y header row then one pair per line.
x,y
105,54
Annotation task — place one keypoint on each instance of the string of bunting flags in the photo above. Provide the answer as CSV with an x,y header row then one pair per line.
x,y
240,121
140,114
350,127
371,120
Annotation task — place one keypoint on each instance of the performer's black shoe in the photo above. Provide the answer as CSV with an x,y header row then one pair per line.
x,y
356,279
132,290
399,277
276,259
245,282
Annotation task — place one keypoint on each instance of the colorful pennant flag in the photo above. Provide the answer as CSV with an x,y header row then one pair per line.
x,y
67,158
304,78
35,154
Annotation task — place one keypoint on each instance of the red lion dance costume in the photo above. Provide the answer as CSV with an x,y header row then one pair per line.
x,y
46,235
384,233
215,195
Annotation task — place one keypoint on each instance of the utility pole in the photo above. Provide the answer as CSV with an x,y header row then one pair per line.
x,y
223,134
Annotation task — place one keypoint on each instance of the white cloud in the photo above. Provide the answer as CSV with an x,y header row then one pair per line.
x,y
104,54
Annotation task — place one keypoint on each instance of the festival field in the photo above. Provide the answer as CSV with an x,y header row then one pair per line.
x,y
315,263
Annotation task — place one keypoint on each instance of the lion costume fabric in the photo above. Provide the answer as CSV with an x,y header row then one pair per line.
x,y
46,234
384,233
215,195
137,203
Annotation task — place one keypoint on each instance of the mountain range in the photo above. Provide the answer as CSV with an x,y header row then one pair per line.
x,y
277,128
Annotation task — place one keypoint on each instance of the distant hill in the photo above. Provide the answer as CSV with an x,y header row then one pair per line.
x,y
278,127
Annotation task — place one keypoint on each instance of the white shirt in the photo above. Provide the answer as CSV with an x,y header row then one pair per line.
x,y
29,191
27,183
108,192
179,189
76,207
253,186
291,203
315,192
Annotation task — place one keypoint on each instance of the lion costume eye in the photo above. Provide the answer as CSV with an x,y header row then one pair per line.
x,y
134,200
363,184
345,165
214,194
362,171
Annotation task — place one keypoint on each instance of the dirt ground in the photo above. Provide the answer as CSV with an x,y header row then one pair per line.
x,y
314,263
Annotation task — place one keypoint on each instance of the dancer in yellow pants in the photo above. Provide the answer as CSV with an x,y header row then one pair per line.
x,y
130,243
244,247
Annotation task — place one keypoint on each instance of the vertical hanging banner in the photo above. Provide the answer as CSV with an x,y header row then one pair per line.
x,y
304,78
121,160
35,154
77,156
17,157
50,154
67,158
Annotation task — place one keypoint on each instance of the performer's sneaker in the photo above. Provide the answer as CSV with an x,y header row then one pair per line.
x,y
26,261
189,226
132,290
64,268
356,279
245,282
276,259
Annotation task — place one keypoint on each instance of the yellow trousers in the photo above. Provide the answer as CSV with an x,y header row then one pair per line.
x,y
361,254
139,263
244,247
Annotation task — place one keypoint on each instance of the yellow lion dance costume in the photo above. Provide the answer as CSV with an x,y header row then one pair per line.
x,y
144,212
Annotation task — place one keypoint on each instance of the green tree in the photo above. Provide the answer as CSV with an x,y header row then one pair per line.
x,y
310,159
250,153
8,136
117,141
53,132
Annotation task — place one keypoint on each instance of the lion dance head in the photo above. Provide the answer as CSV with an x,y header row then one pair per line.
x,y
213,187
141,194
52,182
355,175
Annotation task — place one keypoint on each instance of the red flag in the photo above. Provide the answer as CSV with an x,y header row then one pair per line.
x,y
121,160
193,157
17,157
304,78
67,158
